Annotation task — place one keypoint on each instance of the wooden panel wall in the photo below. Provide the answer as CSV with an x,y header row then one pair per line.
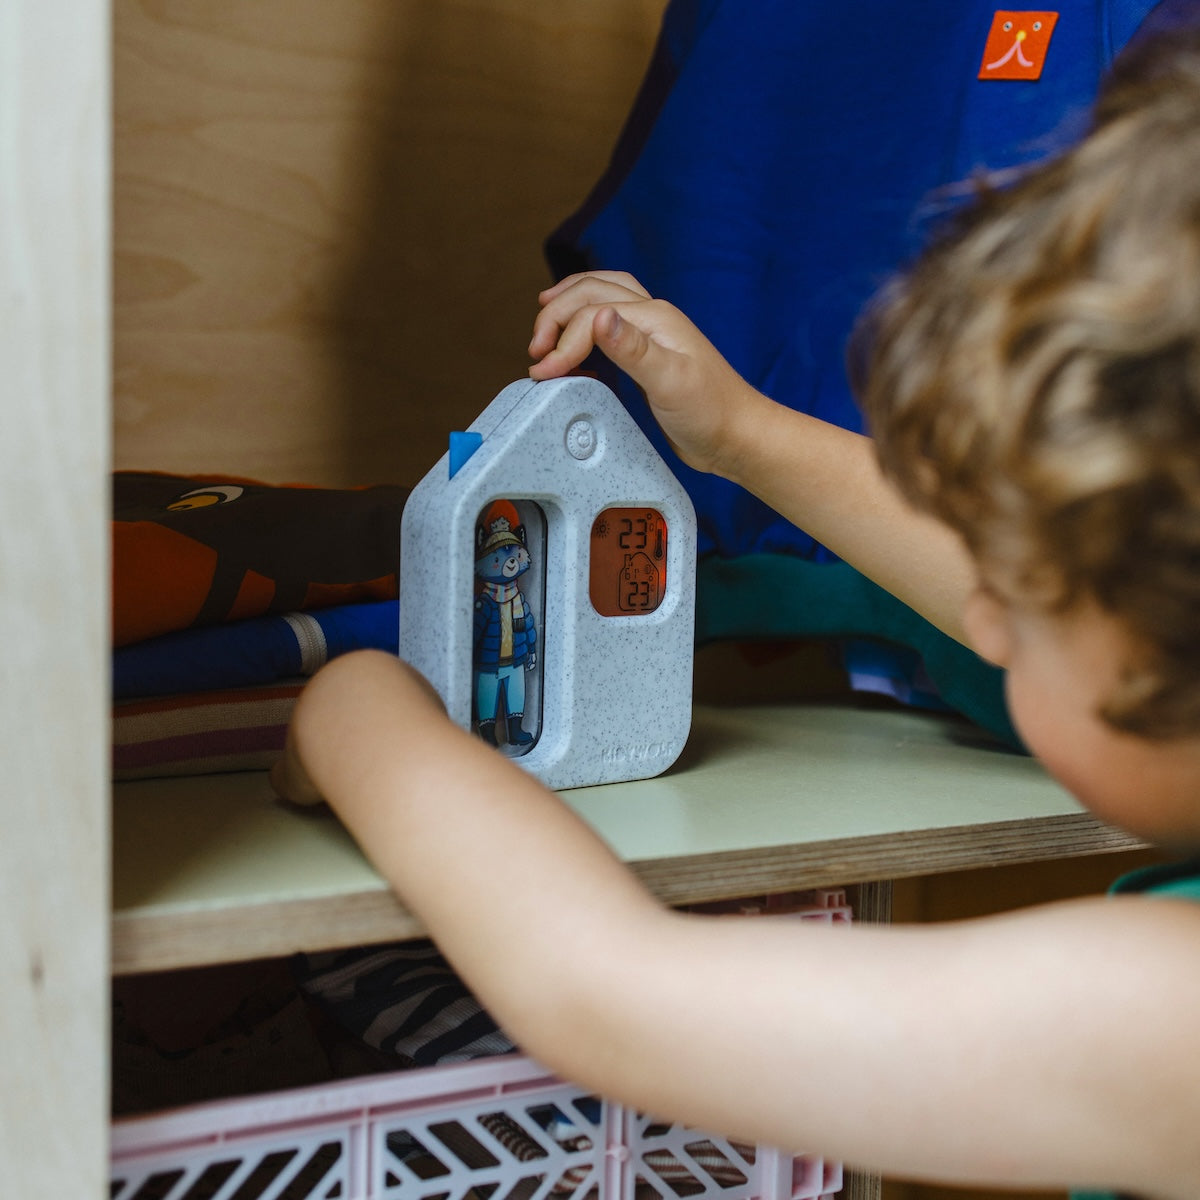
x,y
54,371
329,217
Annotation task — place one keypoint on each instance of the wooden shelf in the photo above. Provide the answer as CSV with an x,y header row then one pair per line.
x,y
213,869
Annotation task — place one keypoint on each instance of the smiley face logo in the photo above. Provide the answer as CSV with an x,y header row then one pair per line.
x,y
1016,45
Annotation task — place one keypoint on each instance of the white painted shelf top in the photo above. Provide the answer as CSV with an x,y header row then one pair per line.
x,y
213,868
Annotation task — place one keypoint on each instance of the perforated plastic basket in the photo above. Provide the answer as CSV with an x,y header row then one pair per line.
x,y
499,1129
496,1129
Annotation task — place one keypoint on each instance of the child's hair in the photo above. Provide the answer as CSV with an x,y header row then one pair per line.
x,y
1035,380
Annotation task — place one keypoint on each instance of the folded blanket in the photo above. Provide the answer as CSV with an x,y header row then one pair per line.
x,y
256,651
201,550
238,730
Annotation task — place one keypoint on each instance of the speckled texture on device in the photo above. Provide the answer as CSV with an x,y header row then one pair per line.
x,y
616,691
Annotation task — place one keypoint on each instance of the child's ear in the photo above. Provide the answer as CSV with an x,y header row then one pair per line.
x,y
987,623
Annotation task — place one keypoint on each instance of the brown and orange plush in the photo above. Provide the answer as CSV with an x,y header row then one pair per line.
x,y
199,550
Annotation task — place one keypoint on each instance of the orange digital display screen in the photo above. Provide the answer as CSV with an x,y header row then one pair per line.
x,y
627,567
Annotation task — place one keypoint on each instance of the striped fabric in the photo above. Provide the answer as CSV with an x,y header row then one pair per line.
x,y
403,1000
241,729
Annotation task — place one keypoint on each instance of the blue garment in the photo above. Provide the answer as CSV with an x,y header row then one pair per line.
x,y
499,691
255,651
489,619
781,161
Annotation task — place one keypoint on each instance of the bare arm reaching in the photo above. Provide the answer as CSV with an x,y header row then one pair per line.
x,y
1046,1048
822,478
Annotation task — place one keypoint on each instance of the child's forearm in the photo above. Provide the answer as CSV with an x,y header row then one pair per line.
x,y
820,477
977,1051
827,480
506,878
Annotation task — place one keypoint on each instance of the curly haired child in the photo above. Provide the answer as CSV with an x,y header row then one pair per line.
x,y
1033,487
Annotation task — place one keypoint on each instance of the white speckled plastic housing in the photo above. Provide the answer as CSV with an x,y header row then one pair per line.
x,y
617,691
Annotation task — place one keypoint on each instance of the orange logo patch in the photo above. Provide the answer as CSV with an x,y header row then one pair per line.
x,y
1017,44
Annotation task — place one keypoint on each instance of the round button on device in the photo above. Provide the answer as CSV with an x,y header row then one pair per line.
x,y
581,439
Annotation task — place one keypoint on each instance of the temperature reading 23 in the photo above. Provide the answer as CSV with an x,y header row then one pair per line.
x,y
627,574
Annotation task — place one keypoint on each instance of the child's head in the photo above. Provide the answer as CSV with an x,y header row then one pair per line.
x,y
1035,382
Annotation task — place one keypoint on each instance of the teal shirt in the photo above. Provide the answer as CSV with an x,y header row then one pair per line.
x,y
1178,880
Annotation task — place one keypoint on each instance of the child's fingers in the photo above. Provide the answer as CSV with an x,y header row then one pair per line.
x,y
621,340
562,302
290,782
620,278
624,332
630,342
566,345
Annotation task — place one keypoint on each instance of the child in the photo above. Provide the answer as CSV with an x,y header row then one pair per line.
x,y
1034,389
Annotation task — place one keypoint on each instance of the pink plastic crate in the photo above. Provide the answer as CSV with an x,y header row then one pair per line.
x,y
496,1129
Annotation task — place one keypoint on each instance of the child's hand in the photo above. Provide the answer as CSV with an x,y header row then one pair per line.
x,y
695,395
290,780
311,738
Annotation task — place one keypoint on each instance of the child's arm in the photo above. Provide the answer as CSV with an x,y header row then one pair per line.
x,y
1054,1047
822,478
